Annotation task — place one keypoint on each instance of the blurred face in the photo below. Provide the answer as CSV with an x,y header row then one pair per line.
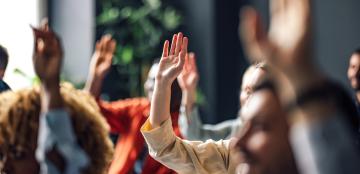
x,y
250,80
354,72
150,82
263,142
19,161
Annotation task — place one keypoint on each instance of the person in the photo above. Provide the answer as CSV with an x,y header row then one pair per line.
x,y
191,126
51,129
261,142
4,59
353,74
317,108
125,117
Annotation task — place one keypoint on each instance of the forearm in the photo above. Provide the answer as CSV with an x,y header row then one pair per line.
x,y
50,97
94,84
160,104
188,100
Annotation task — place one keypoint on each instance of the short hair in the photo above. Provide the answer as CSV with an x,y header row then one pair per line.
x,y
356,51
19,122
4,57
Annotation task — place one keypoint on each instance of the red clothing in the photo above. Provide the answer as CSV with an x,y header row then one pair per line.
x,y
126,117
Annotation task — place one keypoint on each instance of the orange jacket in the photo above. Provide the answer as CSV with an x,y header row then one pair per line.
x,y
126,117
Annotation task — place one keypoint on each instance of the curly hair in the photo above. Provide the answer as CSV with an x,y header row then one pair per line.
x,y
19,121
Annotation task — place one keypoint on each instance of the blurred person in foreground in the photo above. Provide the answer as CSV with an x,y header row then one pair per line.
x,y
321,115
51,129
125,117
190,123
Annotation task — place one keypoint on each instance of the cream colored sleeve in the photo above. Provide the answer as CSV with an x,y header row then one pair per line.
x,y
187,157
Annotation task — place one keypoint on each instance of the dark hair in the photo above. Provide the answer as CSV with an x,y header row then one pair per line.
x,y
4,57
357,51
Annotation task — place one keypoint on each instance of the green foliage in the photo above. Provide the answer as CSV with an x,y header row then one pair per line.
x,y
139,26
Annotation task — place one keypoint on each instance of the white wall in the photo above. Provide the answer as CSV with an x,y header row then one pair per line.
x,y
337,29
74,21
16,35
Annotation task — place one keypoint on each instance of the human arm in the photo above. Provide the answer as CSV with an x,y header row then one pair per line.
x,y
287,49
179,155
192,128
100,64
187,156
57,149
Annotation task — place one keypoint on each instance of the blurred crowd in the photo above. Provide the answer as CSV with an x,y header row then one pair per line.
x,y
293,118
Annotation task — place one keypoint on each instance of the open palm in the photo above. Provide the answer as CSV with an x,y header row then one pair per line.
x,y
287,43
189,77
103,55
172,62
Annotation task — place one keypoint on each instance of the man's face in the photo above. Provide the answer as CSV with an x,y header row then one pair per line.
x,y
150,81
354,71
263,141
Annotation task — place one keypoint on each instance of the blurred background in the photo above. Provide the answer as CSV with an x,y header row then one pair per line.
x,y
141,26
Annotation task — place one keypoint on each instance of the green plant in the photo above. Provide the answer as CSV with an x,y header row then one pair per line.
x,y
138,26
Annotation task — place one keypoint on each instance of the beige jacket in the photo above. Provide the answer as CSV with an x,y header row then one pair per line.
x,y
187,157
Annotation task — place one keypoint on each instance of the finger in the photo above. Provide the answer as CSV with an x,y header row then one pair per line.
x,y
103,44
38,33
173,44
192,59
253,34
44,24
178,44
183,53
184,46
277,6
112,46
187,67
165,50
97,46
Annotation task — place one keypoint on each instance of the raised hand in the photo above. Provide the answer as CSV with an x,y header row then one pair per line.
x,y
287,45
100,64
170,66
188,80
47,56
103,55
47,59
171,63
189,77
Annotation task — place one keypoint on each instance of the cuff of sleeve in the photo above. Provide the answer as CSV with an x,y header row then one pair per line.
x,y
158,138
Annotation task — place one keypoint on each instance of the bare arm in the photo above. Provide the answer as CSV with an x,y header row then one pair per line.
x,y
170,66
100,64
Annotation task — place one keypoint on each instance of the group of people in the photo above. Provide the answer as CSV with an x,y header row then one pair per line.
x,y
292,117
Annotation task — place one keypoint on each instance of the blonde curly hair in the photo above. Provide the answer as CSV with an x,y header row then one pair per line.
x,y
19,121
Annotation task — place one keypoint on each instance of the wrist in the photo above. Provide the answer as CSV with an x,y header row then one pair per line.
x,y
50,99
188,99
51,86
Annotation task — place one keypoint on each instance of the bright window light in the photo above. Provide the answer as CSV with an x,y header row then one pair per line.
x,y
16,36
